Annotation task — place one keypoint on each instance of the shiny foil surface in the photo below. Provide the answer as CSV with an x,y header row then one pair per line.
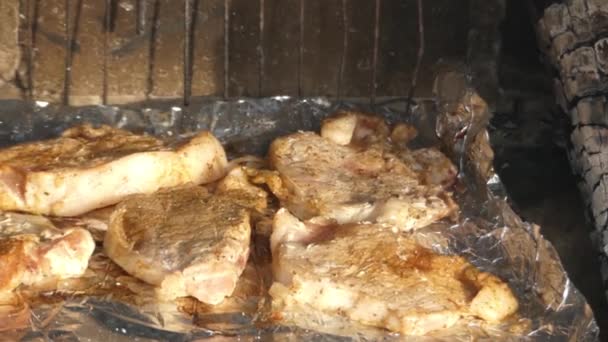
x,y
108,305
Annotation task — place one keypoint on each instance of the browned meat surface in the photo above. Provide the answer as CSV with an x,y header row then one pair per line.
x,y
377,276
88,168
186,240
358,129
361,178
34,253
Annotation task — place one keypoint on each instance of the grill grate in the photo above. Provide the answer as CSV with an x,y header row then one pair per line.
x,y
107,24
345,25
147,17
260,49
226,46
188,9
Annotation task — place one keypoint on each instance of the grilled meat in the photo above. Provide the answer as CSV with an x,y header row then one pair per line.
x,y
35,253
358,129
88,168
186,240
377,276
318,177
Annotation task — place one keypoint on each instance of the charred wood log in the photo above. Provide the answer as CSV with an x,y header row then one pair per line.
x,y
574,38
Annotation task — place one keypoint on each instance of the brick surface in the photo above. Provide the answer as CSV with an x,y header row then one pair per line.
x,y
9,48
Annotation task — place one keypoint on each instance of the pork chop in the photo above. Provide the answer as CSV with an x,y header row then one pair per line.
x,y
377,276
186,240
364,130
35,253
318,177
88,168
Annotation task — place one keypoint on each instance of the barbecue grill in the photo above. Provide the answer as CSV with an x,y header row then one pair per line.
x,y
82,52
178,54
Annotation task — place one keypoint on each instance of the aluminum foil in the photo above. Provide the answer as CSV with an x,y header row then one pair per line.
x,y
108,305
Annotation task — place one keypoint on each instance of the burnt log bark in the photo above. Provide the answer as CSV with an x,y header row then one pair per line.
x,y
574,38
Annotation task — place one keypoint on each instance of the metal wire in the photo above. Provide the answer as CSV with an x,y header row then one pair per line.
x,y
112,13
152,47
344,48
106,49
300,48
187,58
71,39
260,49
68,52
420,54
226,47
32,26
374,84
140,7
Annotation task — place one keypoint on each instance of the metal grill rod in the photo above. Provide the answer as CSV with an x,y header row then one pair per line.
x,y
300,48
419,55
106,48
190,9
140,8
344,48
188,33
32,26
374,84
151,47
71,40
68,58
261,49
112,13
226,46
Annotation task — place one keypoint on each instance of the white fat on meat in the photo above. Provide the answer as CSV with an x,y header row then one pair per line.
x,y
35,253
364,130
186,240
377,276
88,168
316,177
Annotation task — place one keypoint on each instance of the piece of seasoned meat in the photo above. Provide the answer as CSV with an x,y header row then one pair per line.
x,y
317,177
363,130
432,166
88,168
186,240
377,276
35,253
